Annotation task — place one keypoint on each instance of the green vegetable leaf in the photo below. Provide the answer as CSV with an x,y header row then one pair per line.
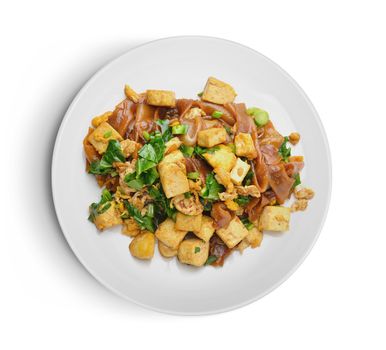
x,y
150,176
242,200
180,129
162,203
148,152
248,178
217,114
200,94
200,151
144,222
105,165
212,188
284,151
142,165
99,208
211,259
297,180
197,250
248,225
166,131
137,184
187,151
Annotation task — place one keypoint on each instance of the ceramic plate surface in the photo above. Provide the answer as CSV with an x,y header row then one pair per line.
x,y
183,64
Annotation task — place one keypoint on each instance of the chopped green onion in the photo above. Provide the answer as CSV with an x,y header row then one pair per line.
x,y
217,114
197,250
107,134
146,135
200,94
180,129
187,150
150,210
211,259
260,116
194,175
248,225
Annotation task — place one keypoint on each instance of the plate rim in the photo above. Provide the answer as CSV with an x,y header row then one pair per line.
x,y
94,274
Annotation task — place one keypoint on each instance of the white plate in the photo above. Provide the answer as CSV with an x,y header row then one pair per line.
x,y
183,64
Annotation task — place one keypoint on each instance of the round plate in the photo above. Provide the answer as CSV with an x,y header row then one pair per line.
x,y
183,64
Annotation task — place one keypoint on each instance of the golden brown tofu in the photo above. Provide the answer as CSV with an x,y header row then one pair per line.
x,y
172,172
174,157
239,171
211,137
254,237
169,235
223,158
245,146
142,246
161,98
193,251
275,218
131,94
101,136
188,222
173,179
129,147
98,120
109,218
207,229
165,251
172,145
130,228
217,91
233,233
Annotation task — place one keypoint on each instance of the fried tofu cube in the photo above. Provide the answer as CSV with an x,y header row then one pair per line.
x,y
130,228
234,233
165,251
275,218
142,246
173,157
172,145
173,179
223,158
129,147
206,230
169,235
211,137
109,218
98,120
131,94
193,251
101,136
254,237
217,91
161,98
239,171
188,222
172,172
252,240
245,146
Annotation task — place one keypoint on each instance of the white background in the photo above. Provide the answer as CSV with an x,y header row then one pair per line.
x,y
336,52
